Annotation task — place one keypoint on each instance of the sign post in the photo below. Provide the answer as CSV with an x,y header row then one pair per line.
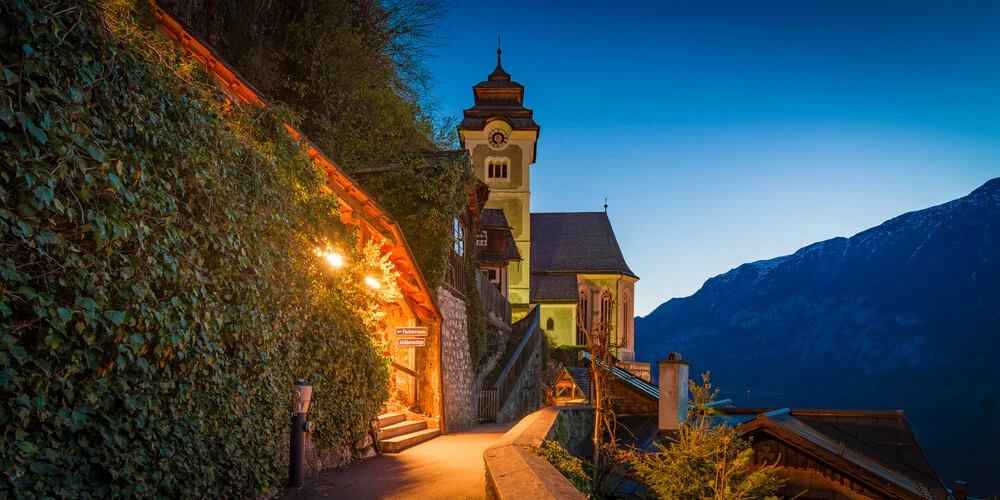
x,y
411,331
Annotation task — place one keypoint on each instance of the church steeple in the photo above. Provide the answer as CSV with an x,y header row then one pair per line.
x,y
498,97
499,74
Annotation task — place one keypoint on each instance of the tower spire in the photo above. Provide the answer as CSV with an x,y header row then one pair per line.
x,y
499,73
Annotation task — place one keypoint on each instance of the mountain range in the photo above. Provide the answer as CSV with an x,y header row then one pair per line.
x,y
905,315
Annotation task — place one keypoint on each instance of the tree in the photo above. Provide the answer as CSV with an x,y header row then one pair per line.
x,y
352,71
706,460
603,344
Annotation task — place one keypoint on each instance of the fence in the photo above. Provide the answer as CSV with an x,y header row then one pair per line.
x,y
494,301
492,400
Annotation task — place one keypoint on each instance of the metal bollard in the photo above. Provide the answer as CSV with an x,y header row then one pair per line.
x,y
297,439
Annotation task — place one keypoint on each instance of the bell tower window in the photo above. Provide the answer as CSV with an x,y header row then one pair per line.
x,y
496,168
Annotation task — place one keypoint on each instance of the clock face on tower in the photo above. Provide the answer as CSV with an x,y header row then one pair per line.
x,y
497,138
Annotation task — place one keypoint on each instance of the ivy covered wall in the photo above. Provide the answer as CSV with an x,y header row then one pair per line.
x,y
159,286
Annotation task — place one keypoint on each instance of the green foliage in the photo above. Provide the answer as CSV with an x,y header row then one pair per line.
x,y
353,70
424,196
159,290
707,460
564,355
571,467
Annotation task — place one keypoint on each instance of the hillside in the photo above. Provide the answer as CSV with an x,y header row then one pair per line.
x,y
850,322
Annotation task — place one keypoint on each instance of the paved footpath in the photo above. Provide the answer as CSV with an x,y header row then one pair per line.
x,y
449,466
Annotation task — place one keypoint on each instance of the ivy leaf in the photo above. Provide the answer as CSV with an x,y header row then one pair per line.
x,y
11,77
96,153
27,447
86,303
36,132
19,353
116,317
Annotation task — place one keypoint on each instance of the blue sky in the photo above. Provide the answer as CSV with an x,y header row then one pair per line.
x,y
728,132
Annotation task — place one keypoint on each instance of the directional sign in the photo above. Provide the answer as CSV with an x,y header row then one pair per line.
x,y
412,342
411,331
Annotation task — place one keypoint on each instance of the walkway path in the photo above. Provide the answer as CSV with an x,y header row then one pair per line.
x,y
449,466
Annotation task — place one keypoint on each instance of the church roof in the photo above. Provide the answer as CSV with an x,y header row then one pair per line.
x,y
579,242
554,288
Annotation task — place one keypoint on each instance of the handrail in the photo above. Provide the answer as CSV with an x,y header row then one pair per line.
x,y
517,352
512,372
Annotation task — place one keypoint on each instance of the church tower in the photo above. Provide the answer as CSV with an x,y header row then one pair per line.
x,y
501,137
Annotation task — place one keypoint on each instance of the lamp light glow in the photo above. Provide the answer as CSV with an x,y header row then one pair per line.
x,y
334,259
372,282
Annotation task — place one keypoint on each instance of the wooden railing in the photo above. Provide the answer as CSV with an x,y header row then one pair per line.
x,y
491,404
494,301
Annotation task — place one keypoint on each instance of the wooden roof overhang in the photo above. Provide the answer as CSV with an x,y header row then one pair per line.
x,y
888,483
357,207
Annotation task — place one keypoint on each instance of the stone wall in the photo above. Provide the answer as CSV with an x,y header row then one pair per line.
x,y
574,429
514,472
527,395
459,380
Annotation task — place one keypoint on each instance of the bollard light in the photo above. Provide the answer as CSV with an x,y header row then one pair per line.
x,y
301,395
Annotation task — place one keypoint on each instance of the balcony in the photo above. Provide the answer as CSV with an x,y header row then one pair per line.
x,y
497,306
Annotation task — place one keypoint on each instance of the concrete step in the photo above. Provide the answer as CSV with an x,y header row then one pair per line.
x,y
387,419
400,443
404,427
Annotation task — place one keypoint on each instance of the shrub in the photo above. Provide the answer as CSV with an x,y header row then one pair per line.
x,y
159,291
571,467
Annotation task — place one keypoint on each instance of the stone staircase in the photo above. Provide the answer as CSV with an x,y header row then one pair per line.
x,y
401,430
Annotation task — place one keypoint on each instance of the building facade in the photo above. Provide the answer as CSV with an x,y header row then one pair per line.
x,y
570,264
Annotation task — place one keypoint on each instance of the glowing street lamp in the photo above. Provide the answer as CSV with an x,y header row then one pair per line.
x,y
333,258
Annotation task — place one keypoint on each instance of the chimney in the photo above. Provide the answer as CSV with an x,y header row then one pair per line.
x,y
673,392
958,491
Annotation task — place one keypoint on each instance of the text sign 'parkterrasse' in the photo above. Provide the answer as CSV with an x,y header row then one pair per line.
x,y
412,342
411,331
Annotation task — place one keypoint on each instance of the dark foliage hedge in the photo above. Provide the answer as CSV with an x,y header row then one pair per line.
x,y
159,290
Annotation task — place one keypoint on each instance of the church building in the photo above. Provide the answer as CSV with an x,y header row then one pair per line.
x,y
570,264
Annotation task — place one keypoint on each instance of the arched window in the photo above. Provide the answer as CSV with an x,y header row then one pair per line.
x,y
626,317
550,324
606,314
583,319
496,168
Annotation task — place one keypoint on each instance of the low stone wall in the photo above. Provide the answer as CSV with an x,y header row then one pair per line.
x,y
513,471
527,395
574,429
458,378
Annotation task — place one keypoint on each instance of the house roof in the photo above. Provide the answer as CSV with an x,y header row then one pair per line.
x,y
494,218
554,288
581,377
878,443
356,206
575,242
